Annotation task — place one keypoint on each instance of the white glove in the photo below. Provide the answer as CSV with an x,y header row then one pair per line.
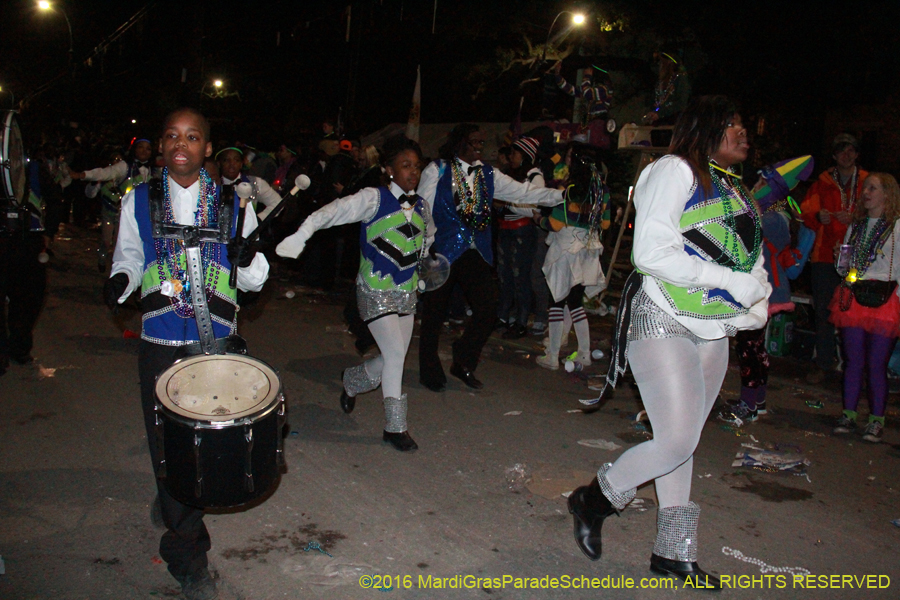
x,y
292,246
756,317
745,288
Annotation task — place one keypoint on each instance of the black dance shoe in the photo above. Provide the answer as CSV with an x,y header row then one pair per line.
x,y
436,387
700,579
198,586
348,402
590,507
466,376
401,441
22,359
515,332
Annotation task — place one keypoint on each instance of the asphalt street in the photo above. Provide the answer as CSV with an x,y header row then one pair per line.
x,y
477,512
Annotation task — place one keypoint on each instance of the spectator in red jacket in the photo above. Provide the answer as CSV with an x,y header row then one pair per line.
x,y
827,210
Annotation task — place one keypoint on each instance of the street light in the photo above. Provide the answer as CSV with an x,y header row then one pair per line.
x,y
46,6
217,83
12,103
577,19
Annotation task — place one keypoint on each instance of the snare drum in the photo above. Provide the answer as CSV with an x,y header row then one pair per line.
x,y
12,158
219,421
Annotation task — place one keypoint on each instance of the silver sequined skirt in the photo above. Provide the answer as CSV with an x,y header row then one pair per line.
x,y
650,322
374,303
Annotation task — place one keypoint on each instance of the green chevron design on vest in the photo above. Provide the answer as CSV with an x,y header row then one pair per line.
x,y
390,223
386,283
710,217
111,192
694,302
151,281
132,182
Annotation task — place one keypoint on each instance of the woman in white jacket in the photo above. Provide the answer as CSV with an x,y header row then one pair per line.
x,y
699,278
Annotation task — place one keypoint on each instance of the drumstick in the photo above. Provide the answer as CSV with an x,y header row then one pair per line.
x,y
301,183
243,190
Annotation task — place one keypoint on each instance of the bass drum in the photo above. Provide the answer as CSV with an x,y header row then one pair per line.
x,y
13,176
219,422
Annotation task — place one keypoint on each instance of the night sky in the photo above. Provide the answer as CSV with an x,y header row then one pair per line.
x,y
291,66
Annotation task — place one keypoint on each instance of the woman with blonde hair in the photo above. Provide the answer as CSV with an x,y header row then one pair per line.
x,y
865,306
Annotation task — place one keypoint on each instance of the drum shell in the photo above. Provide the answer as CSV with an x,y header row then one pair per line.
x,y
219,455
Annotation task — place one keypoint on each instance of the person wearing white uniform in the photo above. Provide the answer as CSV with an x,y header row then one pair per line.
x,y
392,242
698,279
116,179
231,160
169,330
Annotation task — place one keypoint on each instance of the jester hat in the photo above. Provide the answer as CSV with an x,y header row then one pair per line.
x,y
781,178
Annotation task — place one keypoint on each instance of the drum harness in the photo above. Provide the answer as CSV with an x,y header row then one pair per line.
x,y
192,236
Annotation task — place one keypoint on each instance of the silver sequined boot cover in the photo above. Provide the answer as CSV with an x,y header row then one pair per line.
x,y
619,501
395,414
357,381
676,537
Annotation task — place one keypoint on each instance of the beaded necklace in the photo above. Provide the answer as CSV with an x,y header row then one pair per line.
x,y
661,94
729,191
475,207
170,256
867,244
847,203
593,198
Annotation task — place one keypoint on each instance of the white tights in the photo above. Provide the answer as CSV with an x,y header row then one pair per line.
x,y
679,382
392,334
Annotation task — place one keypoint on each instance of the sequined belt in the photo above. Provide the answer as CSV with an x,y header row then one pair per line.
x,y
650,322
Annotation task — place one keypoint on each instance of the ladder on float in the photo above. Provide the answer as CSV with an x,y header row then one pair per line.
x,y
620,267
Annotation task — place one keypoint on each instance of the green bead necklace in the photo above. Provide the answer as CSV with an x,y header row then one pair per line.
x,y
727,194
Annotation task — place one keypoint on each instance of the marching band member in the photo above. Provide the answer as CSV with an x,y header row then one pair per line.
x,y
392,242
460,191
120,177
158,266
231,160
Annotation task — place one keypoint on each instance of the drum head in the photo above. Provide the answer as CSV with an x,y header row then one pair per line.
x,y
433,272
218,388
12,158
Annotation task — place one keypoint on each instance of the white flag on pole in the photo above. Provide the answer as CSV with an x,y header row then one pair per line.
x,y
412,126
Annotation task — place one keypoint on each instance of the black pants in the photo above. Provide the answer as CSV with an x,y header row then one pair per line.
x,y
185,543
824,281
474,276
23,280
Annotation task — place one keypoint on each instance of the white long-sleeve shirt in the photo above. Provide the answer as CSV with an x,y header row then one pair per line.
x,y
356,208
505,187
129,255
534,179
117,172
265,195
660,196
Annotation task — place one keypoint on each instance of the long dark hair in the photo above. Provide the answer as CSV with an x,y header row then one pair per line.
x,y
584,162
457,136
699,131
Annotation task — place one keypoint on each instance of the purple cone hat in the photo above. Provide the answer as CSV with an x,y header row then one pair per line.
x,y
781,178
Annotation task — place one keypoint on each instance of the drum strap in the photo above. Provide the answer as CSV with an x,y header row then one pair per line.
x,y
161,229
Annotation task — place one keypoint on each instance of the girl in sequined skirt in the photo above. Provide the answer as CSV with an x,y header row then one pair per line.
x,y
392,241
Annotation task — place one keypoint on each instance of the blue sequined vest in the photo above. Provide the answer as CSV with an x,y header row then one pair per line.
x,y
161,324
453,237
